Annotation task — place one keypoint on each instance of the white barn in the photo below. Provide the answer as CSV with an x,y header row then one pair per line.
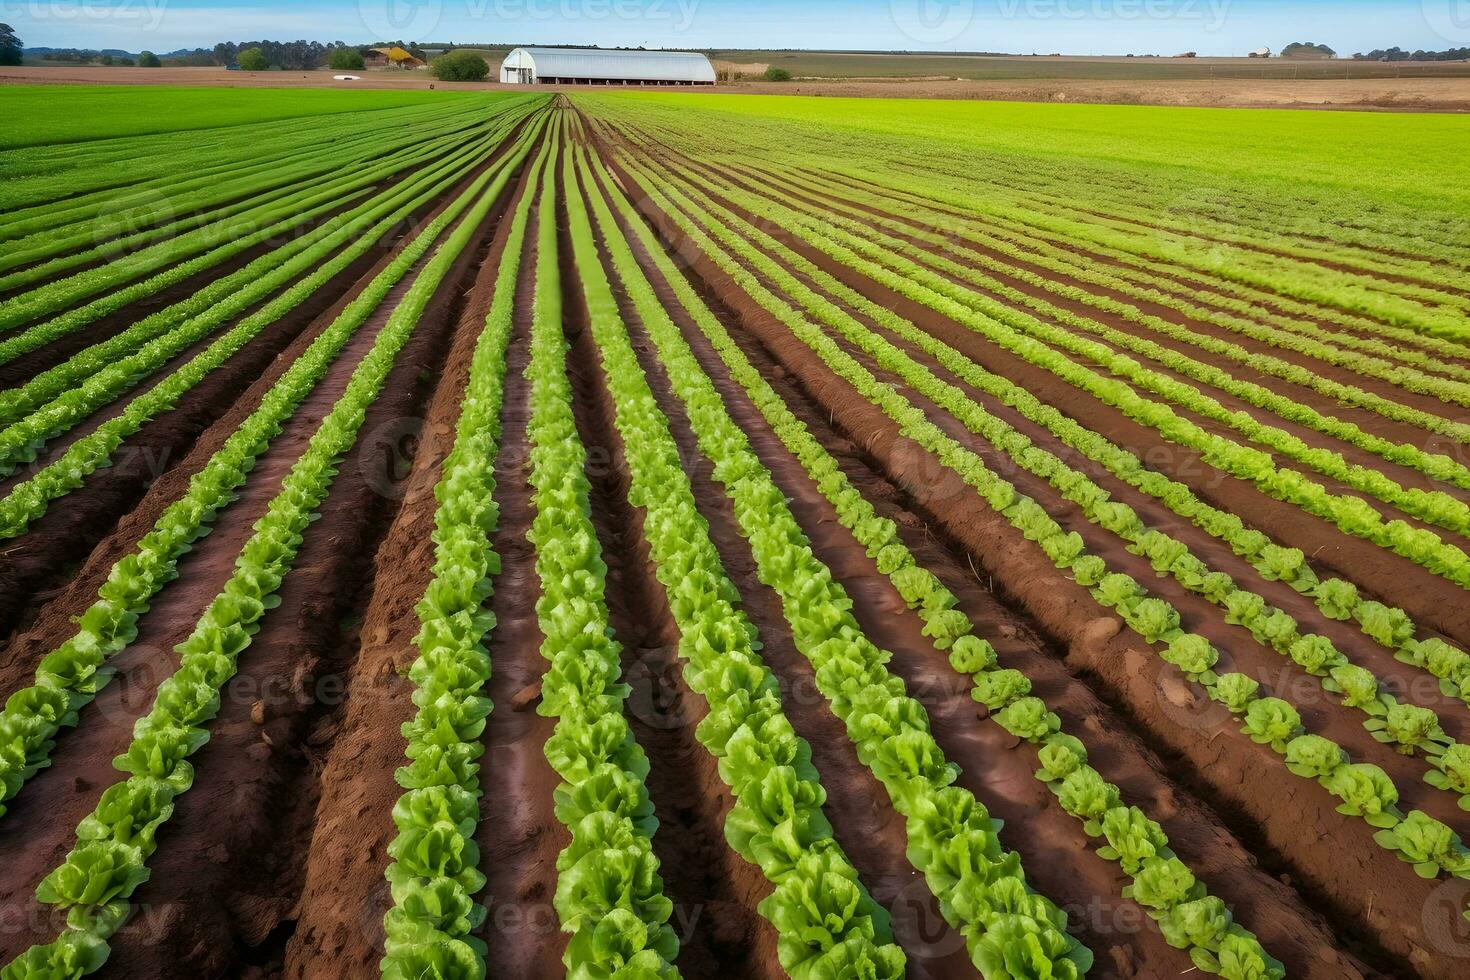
x,y
596,66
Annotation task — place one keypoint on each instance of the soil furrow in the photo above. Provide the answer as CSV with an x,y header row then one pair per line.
x,y
714,891
339,911
519,836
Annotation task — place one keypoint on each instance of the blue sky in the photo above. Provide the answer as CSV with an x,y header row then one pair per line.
x,y
1069,26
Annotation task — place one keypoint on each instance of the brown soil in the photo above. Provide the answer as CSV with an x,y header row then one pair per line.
x,y
1375,94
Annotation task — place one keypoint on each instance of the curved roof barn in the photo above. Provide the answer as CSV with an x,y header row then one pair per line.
x,y
596,66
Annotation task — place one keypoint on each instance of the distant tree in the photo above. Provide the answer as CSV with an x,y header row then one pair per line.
x,y
251,59
774,74
460,66
1399,54
345,59
11,49
126,62
147,59
107,60
1300,49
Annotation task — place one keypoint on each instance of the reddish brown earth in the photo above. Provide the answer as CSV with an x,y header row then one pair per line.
x,y
273,864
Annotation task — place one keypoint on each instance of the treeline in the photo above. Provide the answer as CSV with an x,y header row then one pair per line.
x,y
1399,54
297,55
285,55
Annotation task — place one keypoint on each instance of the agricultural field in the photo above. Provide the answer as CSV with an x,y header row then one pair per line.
x,y
638,535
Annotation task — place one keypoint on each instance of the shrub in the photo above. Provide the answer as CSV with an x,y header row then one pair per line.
x,y
460,66
774,74
345,59
147,59
251,59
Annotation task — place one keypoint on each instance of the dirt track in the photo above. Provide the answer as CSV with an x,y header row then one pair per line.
x,y
1406,94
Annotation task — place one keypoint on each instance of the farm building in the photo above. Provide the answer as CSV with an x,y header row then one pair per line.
x,y
594,66
395,57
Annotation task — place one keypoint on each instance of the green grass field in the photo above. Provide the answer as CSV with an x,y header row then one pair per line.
x,y
43,114
1388,157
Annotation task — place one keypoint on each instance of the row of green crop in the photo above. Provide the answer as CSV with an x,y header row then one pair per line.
x,y
72,673
1303,226
186,188
57,185
1365,790
1189,917
962,210
1182,289
1432,506
15,402
1409,728
1309,340
197,233
433,874
1450,392
1018,333
37,335
953,841
47,253
1278,209
1193,285
1015,182
1337,598
826,924
48,403
109,860
219,289
609,895
281,215
1432,312
29,499
218,241
1320,266
1254,259
1438,466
